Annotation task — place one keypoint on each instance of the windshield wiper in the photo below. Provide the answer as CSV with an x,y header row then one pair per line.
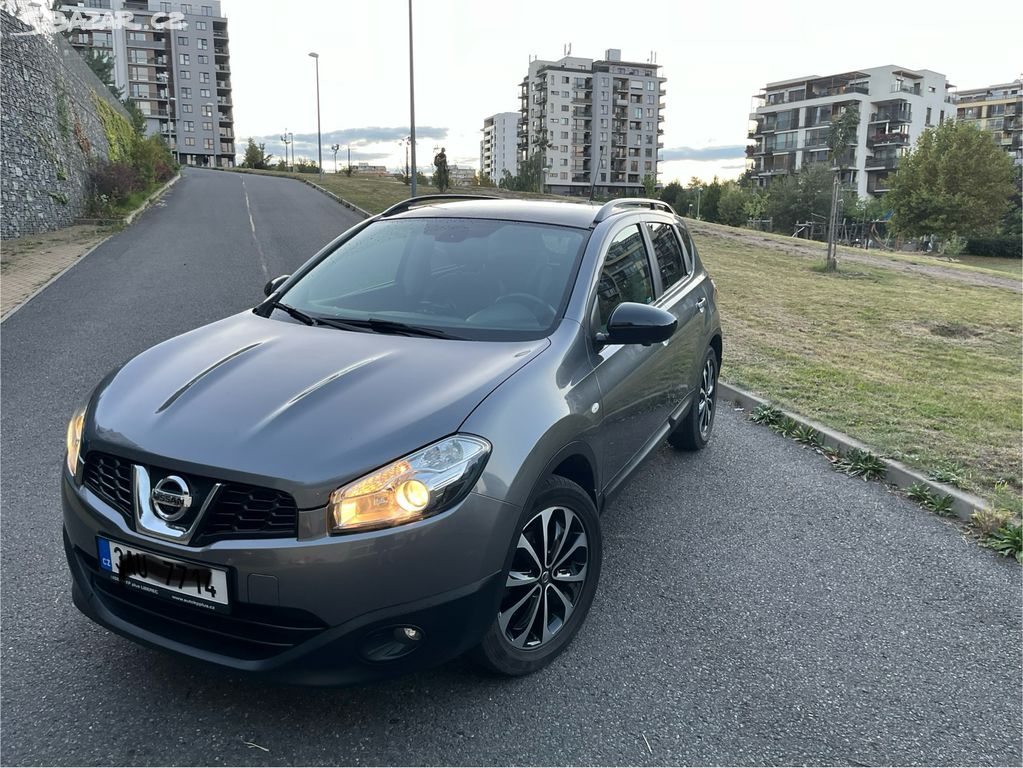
x,y
295,313
378,325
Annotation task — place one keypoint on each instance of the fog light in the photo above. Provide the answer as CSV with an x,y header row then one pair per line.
x,y
391,643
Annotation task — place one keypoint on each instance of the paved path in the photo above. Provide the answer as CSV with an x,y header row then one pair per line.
x,y
756,607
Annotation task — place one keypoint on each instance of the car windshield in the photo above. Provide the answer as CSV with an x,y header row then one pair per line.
x,y
473,278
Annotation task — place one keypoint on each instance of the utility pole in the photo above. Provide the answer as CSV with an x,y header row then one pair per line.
x,y
286,142
335,147
319,134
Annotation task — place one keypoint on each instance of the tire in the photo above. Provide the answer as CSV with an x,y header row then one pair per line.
x,y
544,603
694,431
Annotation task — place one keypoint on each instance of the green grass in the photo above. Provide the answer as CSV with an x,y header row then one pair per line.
x,y
921,369
375,194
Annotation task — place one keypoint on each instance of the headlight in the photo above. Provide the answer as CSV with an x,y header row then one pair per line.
x,y
74,439
420,485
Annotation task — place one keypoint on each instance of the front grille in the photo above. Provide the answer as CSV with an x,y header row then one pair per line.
x,y
243,512
238,511
110,478
249,631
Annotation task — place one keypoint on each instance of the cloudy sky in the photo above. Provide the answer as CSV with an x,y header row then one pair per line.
x,y
471,55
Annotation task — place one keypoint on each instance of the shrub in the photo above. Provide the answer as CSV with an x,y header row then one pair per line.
x,y
114,182
1007,541
153,160
1005,246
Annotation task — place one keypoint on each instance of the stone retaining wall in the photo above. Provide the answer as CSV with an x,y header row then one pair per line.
x,y
49,130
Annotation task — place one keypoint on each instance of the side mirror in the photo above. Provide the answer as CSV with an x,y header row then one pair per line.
x,y
274,284
634,323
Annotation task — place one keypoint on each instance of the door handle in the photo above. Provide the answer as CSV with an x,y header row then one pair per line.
x,y
702,304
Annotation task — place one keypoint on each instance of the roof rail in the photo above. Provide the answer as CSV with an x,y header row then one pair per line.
x,y
405,205
609,209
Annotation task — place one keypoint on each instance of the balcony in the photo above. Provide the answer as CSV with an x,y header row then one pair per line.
x,y
896,139
881,163
897,116
223,68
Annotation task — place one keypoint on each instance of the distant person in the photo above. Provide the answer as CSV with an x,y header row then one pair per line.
x,y
440,177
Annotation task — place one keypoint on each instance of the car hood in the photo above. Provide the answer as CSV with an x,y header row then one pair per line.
x,y
304,409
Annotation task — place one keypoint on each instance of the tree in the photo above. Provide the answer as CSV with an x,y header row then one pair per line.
x,y
102,65
256,156
841,135
709,200
138,118
954,181
650,185
731,208
531,172
799,196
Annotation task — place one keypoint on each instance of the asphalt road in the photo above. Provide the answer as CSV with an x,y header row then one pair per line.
x,y
755,606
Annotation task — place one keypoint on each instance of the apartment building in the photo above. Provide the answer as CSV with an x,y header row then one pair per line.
x,y
997,109
499,146
179,78
594,121
791,121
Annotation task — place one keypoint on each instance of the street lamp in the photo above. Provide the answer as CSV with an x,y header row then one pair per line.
x,y
335,147
288,138
319,138
412,99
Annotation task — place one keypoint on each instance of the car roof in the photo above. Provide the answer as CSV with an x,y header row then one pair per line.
x,y
564,214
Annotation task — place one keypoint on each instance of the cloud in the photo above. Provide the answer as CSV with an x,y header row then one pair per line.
x,y
359,137
731,152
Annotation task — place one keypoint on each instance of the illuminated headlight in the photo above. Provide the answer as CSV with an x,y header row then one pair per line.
x,y
420,485
74,439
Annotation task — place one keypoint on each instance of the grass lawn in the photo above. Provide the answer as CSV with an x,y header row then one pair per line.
x,y
924,370
375,194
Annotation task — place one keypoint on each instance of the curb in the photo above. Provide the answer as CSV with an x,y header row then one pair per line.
x,y
896,473
364,213
127,220
151,199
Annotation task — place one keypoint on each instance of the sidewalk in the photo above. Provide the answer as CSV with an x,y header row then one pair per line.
x,y
30,262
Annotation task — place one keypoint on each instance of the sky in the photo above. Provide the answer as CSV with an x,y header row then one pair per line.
x,y
471,55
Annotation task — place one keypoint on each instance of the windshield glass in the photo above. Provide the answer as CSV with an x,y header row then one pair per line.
x,y
475,278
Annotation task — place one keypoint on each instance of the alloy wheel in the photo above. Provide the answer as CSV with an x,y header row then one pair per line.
x,y
705,405
546,580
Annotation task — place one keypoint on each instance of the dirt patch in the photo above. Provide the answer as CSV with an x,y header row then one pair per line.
x,y
954,331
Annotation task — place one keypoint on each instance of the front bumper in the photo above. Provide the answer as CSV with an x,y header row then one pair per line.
x,y
309,611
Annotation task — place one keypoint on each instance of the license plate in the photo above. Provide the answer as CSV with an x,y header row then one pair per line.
x,y
168,577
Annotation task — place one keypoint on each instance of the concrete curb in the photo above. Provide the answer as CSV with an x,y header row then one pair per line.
x,y
151,199
336,198
896,473
127,220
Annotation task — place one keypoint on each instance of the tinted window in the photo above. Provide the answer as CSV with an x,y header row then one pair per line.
x,y
670,260
687,243
626,274
476,278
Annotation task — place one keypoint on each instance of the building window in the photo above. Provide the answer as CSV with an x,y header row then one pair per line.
x,y
186,109
207,126
603,135
207,10
189,126
204,59
186,92
564,81
564,175
649,139
564,121
648,153
189,141
637,112
204,93
207,110
564,148
184,58
603,122
564,134
200,26
564,107
649,112
927,118
207,143
186,8
605,81
603,95
564,161
204,77
136,35
165,7
182,40
201,44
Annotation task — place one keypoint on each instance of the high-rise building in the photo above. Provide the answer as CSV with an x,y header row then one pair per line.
x,y
179,78
499,146
895,105
997,109
593,122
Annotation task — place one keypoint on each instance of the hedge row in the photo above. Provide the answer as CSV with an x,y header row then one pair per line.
x,y
1001,245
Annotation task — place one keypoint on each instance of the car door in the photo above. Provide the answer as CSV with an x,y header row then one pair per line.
x,y
632,409
679,292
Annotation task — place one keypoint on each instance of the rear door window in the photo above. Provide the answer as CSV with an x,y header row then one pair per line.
x,y
670,261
